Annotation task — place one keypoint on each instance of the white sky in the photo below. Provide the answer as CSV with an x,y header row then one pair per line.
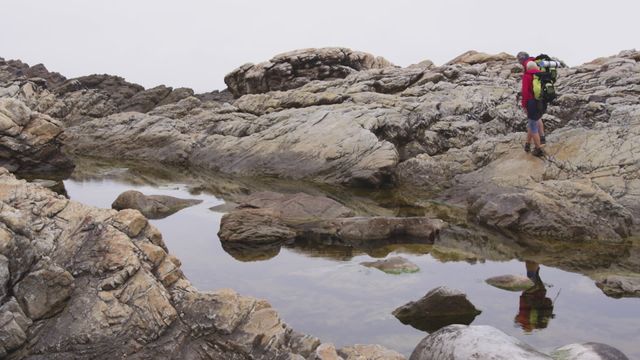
x,y
195,43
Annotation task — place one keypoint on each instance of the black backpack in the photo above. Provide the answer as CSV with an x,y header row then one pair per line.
x,y
544,81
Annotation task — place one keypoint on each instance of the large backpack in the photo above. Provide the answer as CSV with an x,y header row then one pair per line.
x,y
544,81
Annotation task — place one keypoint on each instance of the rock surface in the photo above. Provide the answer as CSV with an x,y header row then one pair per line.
x,y
440,307
618,286
460,342
428,127
265,221
105,277
588,351
393,265
30,141
152,206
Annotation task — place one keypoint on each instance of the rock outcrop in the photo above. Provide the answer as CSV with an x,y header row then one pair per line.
x,y
433,128
296,68
106,278
30,141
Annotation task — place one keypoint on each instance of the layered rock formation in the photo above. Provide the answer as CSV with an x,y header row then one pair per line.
x,y
105,277
30,142
296,68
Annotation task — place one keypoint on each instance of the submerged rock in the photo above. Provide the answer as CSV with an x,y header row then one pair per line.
x,y
586,351
461,342
440,307
510,282
152,206
393,265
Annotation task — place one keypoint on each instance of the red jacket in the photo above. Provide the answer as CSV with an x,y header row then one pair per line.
x,y
527,84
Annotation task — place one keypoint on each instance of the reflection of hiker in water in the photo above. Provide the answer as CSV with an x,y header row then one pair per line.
x,y
536,309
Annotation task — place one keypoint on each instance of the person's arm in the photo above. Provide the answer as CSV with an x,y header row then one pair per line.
x,y
527,89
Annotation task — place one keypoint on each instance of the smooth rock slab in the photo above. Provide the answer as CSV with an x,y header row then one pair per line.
x,y
393,265
440,307
461,342
588,351
152,206
510,282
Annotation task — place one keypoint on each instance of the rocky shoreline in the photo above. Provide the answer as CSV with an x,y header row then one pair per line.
x,y
332,116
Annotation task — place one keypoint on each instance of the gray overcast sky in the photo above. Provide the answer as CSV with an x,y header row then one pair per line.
x,y
195,43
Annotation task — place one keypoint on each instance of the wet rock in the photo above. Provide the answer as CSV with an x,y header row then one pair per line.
x,y
296,68
618,286
461,342
510,282
30,141
589,350
152,206
440,307
393,265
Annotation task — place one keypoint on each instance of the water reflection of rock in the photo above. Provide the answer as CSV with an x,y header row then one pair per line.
x,y
251,253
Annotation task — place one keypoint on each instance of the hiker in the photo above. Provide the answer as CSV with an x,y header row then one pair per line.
x,y
535,308
533,107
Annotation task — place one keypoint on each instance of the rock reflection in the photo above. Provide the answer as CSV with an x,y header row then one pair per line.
x,y
253,253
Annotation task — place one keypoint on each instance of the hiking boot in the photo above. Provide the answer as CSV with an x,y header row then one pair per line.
x,y
538,152
543,140
527,147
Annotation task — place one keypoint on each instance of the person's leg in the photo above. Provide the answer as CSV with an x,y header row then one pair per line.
x,y
541,131
542,108
533,116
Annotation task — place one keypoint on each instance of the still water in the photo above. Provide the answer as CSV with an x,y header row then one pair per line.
x,y
326,293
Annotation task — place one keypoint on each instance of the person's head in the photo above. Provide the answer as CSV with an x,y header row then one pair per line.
x,y
522,56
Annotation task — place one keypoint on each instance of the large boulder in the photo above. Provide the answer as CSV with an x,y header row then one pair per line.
x,y
30,141
461,342
440,307
296,68
152,206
